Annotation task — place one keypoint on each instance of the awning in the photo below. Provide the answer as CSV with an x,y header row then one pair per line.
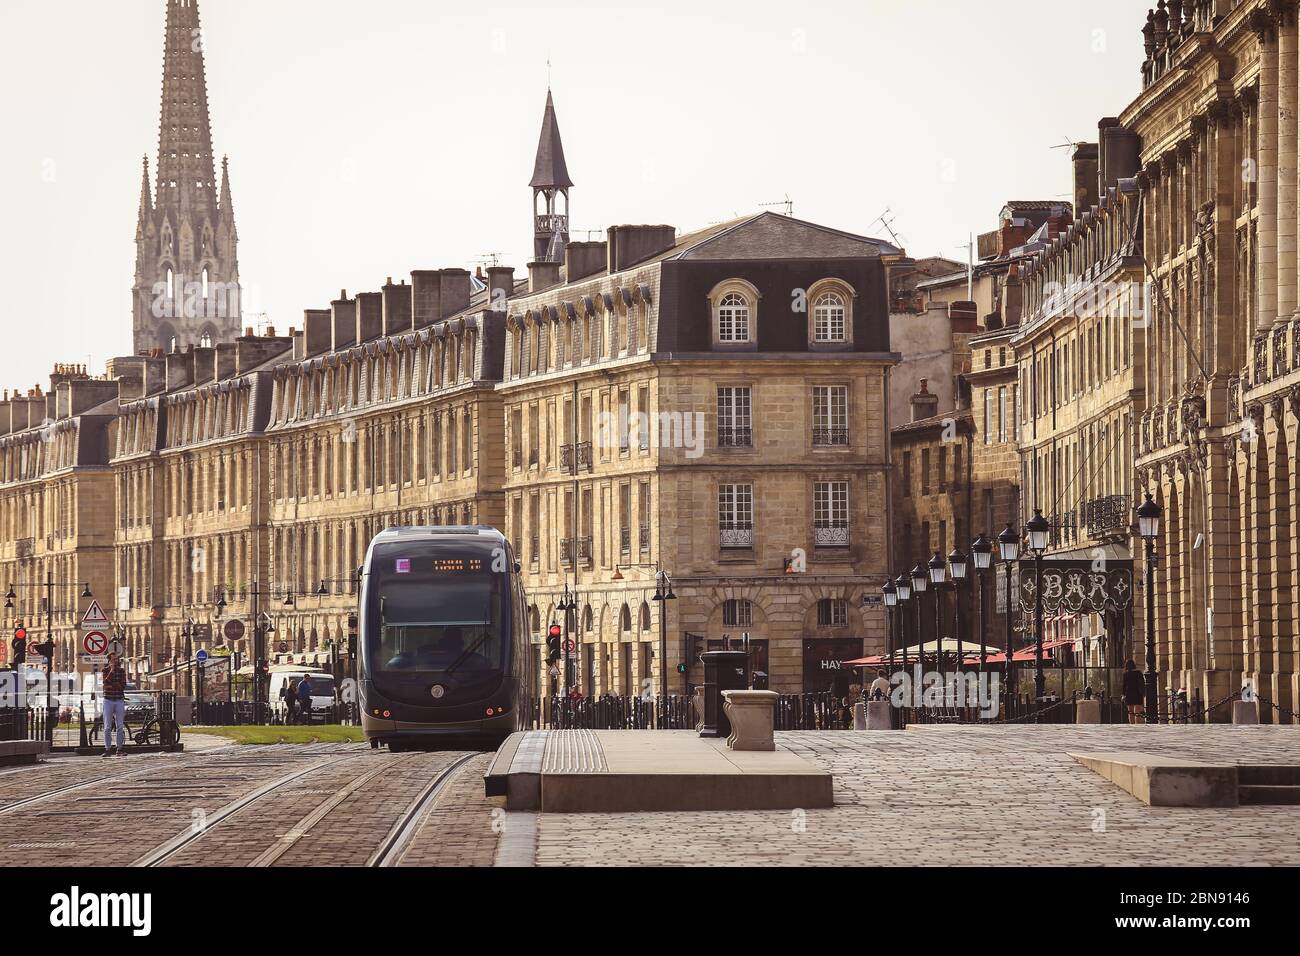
x,y
948,646
1028,654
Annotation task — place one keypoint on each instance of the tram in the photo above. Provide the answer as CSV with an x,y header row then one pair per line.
x,y
442,639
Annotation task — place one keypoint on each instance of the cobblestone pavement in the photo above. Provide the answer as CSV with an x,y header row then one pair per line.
x,y
320,805
463,827
962,796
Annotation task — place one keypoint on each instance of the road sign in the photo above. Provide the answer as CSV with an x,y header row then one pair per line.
x,y
92,659
569,646
95,643
94,617
116,646
201,656
201,632
234,629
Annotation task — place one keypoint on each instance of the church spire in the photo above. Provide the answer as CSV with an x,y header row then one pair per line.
x,y
146,201
550,182
184,132
187,275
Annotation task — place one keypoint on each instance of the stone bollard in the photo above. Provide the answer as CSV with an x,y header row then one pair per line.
x,y
859,716
750,713
1245,711
878,715
1087,711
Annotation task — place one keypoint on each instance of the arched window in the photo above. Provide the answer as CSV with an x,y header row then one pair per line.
x,y
830,318
587,618
625,619
645,616
733,318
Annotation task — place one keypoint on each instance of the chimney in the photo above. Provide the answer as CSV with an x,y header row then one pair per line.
x,y
252,351
501,286
1013,297
299,346
397,308
129,388
317,330
204,365
225,360
963,316
6,415
1085,177
426,287
543,275
924,405
85,393
1120,152
370,316
344,314
453,291
180,370
629,245
582,259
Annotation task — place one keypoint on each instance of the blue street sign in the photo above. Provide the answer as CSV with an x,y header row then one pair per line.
x,y
201,656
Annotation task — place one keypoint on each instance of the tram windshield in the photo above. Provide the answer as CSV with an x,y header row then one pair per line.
x,y
441,624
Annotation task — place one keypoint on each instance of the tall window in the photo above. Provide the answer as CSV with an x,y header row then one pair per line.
x,y
831,514
988,416
733,318
735,427
830,415
736,516
737,612
1002,414
829,318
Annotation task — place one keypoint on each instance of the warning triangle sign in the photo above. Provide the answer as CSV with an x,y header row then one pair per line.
x,y
94,616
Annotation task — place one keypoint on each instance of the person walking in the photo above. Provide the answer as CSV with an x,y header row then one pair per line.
x,y
290,694
880,686
114,706
1135,692
304,698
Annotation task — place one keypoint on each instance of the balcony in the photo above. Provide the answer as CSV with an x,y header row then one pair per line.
x,y
830,437
831,536
534,550
584,457
1107,515
736,538
737,436
1065,529
517,457
566,552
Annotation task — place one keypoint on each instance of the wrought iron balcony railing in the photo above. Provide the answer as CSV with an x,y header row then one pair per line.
x,y
736,538
644,533
831,536
829,437
584,457
735,436
1106,515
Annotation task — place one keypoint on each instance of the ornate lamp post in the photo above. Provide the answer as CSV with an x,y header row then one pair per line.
x,y
981,552
1009,551
920,581
957,564
903,585
663,594
1148,515
1039,532
938,574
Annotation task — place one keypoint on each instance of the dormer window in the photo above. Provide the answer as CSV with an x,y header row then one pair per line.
x,y
829,314
733,318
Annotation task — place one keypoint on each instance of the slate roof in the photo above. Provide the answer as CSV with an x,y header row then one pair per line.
x,y
550,171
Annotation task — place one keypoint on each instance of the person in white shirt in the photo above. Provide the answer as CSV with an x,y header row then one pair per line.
x,y
879,687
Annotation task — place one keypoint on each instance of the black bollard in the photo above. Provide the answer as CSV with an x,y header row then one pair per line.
x,y
723,670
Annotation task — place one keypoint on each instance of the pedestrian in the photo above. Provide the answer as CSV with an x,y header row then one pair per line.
x,y
114,706
1135,692
304,698
880,686
290,694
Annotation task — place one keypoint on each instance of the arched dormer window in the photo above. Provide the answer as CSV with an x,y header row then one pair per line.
x,y
830,320
734,308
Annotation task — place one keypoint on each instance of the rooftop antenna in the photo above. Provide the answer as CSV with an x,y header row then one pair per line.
x,y
969,246
490,259
1068,144
889,226
787,203
262,322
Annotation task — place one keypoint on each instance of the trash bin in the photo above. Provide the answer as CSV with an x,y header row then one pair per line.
x,y
723,670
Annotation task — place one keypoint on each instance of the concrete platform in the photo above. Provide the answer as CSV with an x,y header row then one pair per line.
x,y
15,752
619,771
1162,781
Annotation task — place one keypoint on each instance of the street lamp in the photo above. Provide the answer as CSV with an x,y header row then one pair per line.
x,y
938,574
957,562
663,594
568,603
904,587
981,551
1039,532
1148,515
1009,551
890,594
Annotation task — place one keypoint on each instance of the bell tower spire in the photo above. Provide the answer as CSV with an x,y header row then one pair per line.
x,y
187,274
550,183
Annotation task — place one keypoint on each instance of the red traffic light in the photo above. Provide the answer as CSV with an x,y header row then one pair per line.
x,y
20,634
556,630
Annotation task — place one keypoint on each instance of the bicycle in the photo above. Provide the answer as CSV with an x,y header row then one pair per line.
x,y
155,732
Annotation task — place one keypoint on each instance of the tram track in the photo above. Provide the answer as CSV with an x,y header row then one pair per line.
x,y
399,837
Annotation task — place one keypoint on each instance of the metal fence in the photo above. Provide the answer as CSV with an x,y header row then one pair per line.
x,y
28,723
821,711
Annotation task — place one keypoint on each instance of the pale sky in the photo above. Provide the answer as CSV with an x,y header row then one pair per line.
x,y
367,139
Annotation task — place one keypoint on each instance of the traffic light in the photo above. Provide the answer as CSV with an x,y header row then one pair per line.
x,y
45,650
352,635
553,642
681,668
20,646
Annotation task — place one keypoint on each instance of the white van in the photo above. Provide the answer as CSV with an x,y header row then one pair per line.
x,y
322,691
